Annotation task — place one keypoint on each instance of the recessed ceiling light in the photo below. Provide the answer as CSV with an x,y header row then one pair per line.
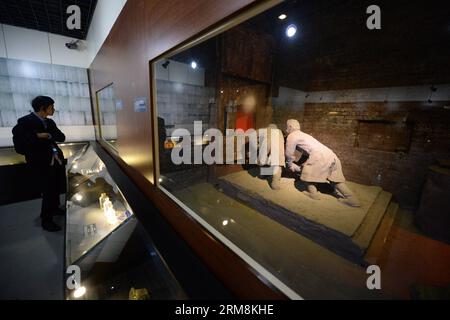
x,y
194,65
78,293
282,16
291,30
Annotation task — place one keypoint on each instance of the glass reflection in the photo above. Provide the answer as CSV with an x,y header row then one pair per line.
x,y
107,112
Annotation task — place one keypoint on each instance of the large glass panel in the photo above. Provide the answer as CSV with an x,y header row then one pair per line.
x,y
116,257
355,123
107,114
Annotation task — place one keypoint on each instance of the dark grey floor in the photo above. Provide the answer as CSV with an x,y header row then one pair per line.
x,y
31,259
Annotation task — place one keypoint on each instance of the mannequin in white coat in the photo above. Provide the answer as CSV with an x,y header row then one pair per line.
x,y
322,166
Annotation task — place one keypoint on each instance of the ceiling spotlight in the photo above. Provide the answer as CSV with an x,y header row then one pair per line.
x,y
165,64
78,197
282,16
291,30
78,293
194,65
225,222
73,44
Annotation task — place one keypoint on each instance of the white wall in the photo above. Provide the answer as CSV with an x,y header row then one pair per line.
x,y
26,44
180,72
391,94
105,14
64,56
32,45
2,43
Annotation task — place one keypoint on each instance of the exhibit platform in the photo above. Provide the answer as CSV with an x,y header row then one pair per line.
x,y
344,230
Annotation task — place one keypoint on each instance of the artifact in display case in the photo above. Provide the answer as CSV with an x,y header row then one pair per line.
x,y
139,294
95,205
8,156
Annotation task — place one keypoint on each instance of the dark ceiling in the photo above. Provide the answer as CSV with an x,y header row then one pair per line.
x,y
334,49
46,15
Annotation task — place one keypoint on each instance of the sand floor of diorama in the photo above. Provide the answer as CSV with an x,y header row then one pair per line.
x,y
305,266
328,211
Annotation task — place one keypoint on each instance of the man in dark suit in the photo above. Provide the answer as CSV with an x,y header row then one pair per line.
x,y
35,136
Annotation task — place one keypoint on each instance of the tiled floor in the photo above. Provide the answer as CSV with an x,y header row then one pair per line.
x,y
31,259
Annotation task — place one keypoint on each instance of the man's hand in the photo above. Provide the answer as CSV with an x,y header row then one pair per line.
x,y
43,135
56,157
294,168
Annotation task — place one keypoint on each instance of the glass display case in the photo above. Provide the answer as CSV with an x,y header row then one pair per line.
x,y
8,156
95,205
14,170
357,138
116,256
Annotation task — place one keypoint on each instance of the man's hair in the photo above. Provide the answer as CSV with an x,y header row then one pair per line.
x,y
41,102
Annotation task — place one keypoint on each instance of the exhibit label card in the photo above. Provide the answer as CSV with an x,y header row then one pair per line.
x,y
140,104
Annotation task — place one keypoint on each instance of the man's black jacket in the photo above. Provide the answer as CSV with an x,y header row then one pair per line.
x,y
37,151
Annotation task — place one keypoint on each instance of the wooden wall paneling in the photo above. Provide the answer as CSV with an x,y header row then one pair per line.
x,y
248,54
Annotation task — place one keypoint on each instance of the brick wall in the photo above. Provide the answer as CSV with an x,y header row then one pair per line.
x,y
288,104
402,173
181,104
417,131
